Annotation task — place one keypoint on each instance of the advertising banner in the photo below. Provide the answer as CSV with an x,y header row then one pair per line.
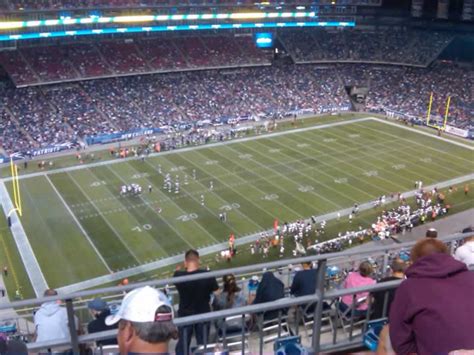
x,y
457,131
121,136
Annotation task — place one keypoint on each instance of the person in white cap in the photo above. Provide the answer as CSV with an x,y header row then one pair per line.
x,y
145,322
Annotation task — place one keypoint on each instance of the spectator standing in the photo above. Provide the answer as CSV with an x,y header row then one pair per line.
x,y
430,312
194,298
358,279
145,322
398,268
100,311
465,253
51,322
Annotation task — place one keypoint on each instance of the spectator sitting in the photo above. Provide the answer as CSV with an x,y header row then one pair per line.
x,y
231,297
145,322
398,268
194,298
304,284
100,310
465,253
357,279
51,321
270,289
430,312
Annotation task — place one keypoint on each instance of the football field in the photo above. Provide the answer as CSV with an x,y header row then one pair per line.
x,y
80,227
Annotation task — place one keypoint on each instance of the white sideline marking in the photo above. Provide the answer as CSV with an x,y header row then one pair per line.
x,y
28,257
78,223
187,149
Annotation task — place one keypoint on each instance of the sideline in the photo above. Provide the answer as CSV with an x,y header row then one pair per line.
x,y
193,148
212,249
23,245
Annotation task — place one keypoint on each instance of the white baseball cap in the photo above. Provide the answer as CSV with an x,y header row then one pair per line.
x,y
141,306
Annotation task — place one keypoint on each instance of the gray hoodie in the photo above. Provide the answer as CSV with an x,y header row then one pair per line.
x,y
51,322
465,254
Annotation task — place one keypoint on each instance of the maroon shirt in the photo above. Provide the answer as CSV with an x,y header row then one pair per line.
x,y
432,312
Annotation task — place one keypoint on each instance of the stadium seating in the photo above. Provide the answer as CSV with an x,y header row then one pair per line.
x,y
67,112
68,62
404,47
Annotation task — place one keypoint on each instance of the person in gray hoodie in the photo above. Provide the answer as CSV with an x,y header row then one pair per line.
x,y
51,322
465,253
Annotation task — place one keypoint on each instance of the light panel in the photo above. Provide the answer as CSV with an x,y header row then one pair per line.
x,y
199,27
9,25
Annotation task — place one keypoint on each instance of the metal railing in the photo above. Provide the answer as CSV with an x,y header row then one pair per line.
x,y
256,311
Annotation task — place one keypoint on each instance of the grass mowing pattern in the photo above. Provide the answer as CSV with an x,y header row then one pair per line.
x,y
286,177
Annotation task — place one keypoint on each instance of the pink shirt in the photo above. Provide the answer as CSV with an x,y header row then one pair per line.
x,y
354,279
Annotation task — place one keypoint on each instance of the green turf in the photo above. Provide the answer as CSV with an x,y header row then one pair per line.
x,y
292,176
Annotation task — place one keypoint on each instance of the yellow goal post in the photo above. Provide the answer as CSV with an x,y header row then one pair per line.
x,y
16,189
446,114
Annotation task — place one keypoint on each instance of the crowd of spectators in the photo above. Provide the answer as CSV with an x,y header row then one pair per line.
x,y
66,62
408,90
402,47
71,111
430,277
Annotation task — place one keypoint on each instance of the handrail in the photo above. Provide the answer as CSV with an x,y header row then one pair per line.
x,y
250,309
220,273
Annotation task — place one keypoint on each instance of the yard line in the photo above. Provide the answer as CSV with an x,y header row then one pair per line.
x,y
193,148
119,236
101,280
217,189
78,224
123,208
442,158
419,144
148,205
402,150
191,195
394,183
423,133
284,146
286,207
179,207
292,181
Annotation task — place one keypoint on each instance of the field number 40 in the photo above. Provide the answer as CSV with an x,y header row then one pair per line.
x,y
145,227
